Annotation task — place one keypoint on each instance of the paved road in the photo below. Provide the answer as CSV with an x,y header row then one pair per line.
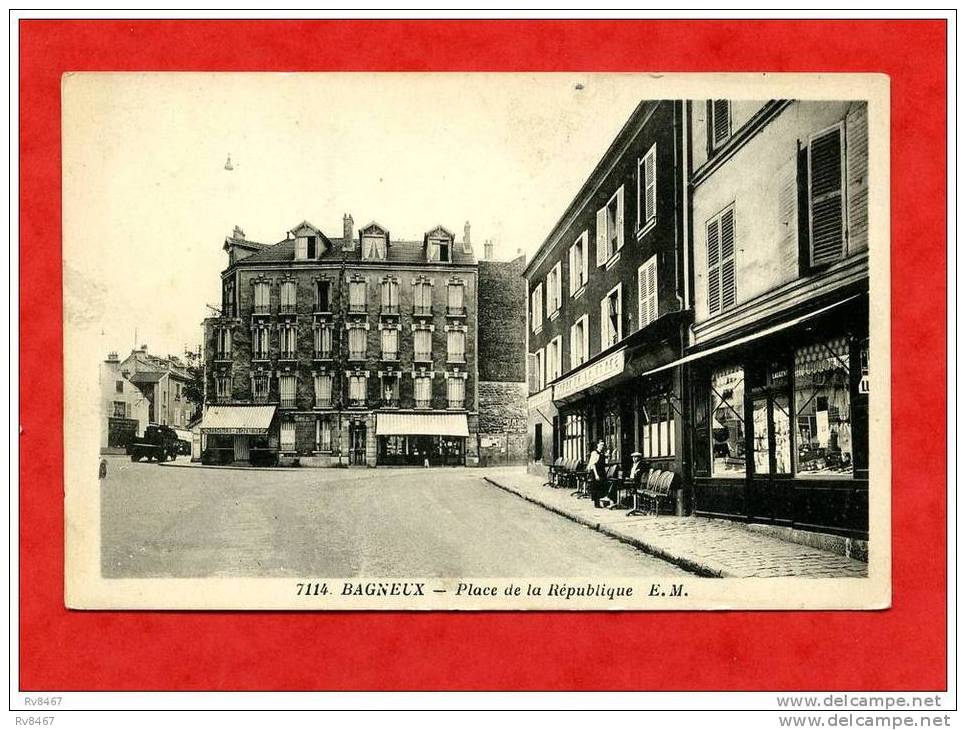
x,y
161,521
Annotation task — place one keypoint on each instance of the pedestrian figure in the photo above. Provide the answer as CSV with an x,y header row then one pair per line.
x,y
596,473
102,470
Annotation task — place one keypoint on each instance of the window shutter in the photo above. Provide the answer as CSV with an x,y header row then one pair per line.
x,y
620,218
720,121
572,268
602,236
652,289
857,175
728,288
826,227
585,253
620,313
558,283
714,268
788,217
643,297
650,184
604,325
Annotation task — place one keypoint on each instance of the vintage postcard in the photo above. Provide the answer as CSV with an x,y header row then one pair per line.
x,y
553,341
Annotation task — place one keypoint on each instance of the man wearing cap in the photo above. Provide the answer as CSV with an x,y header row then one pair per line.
x,y
633,478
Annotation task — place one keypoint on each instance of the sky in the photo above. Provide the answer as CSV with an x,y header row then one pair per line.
x,y
148,202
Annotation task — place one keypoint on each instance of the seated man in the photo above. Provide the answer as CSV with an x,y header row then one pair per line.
x,y
638,470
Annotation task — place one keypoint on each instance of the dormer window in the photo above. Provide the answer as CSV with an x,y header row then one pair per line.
x,y
375,240
309,241
444,250
439,245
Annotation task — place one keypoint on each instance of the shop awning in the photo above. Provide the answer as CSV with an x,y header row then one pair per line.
x,y
421,424
251,420
748,338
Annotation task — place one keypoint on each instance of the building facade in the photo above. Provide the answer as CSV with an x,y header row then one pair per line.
x,y
779,350
704,300
502,360
163,381
124,408
359,350
608,301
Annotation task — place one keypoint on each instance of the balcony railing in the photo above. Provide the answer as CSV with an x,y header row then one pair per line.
x,y
260,397
420,403
227,310
287,403
423,310
323,402
287,355
456,357
357,402
286,309
221,355
389,309
390,356
456,404
262,309
260,355
390,403
323,354
357,308
357,354
455,311
423,356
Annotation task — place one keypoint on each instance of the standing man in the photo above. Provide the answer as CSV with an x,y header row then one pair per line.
x,y
596,473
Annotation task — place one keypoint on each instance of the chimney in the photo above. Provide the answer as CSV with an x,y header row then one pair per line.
x,y
238,234
348,237
488,250
112,357
144,348
466,233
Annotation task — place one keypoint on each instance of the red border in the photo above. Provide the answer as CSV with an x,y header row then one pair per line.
x,y
902,648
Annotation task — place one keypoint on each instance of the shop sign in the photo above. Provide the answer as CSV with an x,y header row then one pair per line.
x,y
543,398
600,371
864,384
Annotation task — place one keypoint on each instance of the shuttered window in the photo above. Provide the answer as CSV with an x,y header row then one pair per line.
x,y
390,344
719,122
578,263
721,262
825,200
647,292
611,314
610,228
647,188
323,390
536,308
579,342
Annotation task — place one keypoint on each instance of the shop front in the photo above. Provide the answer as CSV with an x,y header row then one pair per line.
x,y
240,433
420,439
780,427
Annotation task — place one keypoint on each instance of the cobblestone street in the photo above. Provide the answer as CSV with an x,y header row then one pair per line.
x,y
188,521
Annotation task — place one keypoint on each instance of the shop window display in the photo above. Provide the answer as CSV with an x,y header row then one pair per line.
x,y
657,426
728,423
823,413
612,437
573,447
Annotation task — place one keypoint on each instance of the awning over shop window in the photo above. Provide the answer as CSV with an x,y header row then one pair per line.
x,y
421,424
250,420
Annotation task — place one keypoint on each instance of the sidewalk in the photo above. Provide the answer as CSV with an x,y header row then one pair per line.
x,y
708,547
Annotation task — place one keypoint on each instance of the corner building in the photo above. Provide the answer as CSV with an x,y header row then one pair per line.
x,y
359,350
608,301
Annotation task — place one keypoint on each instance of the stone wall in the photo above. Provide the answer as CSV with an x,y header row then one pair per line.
x,y
502,321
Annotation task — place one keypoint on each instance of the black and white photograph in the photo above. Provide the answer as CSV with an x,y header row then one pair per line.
x,y
476,341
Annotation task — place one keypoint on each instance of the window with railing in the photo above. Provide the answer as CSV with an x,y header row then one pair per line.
x,y
323,391
286,391
260,343
422,298
423,391
390,344
357,296
455,346
357,343
390,297
260,388
287,294
286,337
456,392
357,391
323,343
263,298
223,387
322,301
455,306
423,345
223,343
390,391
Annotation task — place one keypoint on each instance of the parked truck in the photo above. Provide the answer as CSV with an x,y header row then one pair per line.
x,y
159,443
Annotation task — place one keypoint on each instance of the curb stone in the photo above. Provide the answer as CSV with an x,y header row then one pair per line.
x,y
702,569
